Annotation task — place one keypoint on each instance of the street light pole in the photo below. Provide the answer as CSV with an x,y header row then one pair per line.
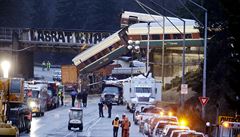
x,y
205,63
183,65
205,55
163,52
147,65
133,47
132,63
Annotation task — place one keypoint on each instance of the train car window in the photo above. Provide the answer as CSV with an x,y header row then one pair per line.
x,y
188,36
144,37
155,37
132,20
167,36
177,36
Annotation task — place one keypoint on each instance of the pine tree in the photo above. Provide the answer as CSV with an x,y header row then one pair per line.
x,y
103,15
39,14
13,13
71,14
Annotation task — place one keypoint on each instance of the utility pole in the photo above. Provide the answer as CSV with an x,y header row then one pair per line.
x,y
205,55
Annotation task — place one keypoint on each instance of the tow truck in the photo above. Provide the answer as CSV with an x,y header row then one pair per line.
x,y
15,116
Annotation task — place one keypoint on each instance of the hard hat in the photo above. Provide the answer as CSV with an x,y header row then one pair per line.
x,y
117,116
124,114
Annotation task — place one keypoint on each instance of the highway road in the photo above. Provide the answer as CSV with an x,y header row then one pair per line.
x,y
55,122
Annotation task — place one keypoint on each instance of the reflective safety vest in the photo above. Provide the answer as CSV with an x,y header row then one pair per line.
x,y
126,124
115,123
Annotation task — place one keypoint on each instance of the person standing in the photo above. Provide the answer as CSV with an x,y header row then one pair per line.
x,y
60,95
121,122
79,99
109,106
100,108
73,95
48,65
126,126
115,124
84,100
43,65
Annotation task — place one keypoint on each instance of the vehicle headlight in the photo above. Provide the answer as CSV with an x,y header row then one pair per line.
x,y
134,100
151,100
32,104
170,113
183,122
139,117
102,96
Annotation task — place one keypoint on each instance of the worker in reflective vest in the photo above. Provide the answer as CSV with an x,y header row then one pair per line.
x,y
126,126
115,124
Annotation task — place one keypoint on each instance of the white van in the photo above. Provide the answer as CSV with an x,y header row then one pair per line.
x,y
175,133
149,126
191,133
160,126
169,128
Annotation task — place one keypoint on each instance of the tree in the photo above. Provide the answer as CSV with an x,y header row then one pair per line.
x,y
71,14
223,56
102,15
39,14
12,13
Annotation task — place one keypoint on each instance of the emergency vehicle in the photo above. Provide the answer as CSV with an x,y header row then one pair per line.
x,y
141,90
229,129
38,100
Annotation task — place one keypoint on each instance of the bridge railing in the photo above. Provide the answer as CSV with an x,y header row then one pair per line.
x,y
7,33
53,36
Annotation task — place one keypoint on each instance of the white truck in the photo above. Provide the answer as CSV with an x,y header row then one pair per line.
x,y
141,90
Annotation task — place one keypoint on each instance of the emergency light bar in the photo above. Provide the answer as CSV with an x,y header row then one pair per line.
x,y
227,124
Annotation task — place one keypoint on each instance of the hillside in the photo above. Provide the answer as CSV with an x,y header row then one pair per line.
x,y
71,14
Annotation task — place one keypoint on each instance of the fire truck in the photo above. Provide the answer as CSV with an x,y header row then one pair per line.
x,y
15,116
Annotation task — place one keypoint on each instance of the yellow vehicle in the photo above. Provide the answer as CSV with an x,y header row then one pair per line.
x,y
15,116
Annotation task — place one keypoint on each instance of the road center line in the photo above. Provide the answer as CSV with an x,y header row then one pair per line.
x,y
88,131
68,134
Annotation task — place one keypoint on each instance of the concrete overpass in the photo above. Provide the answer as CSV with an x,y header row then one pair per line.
x,y
19,44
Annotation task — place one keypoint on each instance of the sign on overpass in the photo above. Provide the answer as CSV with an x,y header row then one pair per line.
x,y
66,36
52,36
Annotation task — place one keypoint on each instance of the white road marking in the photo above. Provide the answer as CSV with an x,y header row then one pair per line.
x,y
89,131
69,134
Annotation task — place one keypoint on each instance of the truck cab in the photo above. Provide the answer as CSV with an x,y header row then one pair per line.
x,y
112,93
141,90
53,100
38,100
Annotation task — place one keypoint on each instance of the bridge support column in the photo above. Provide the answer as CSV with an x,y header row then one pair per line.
x,y
14,55
26,64
22,61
